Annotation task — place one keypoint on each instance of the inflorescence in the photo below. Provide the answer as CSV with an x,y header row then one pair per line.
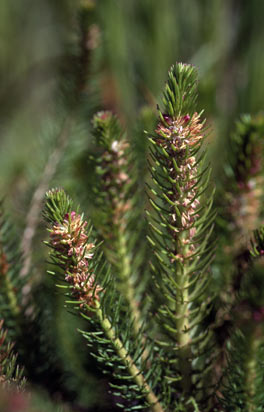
x,y
71,241
177,136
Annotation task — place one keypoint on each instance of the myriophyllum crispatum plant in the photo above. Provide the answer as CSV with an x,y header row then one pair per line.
x,y
91,288
181,223
116,208
239,201
160,359
241,196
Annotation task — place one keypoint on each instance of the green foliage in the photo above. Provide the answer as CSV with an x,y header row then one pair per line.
x,y
247,148
167,294
11,375
180,91
180,269
167,366
239,198
93,293
244,296
106,129
181,223
118,211
11,298
242,389
241,192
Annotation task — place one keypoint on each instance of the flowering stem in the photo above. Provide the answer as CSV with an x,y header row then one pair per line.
x,y
127,360
180,225
117,178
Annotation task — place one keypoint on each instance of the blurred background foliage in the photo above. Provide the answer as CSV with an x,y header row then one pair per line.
x,y
137,42
60,61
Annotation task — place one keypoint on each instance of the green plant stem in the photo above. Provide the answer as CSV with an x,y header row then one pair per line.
x,y
182,325
124,265
127,360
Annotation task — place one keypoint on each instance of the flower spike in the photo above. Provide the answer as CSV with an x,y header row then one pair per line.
x,y
180,226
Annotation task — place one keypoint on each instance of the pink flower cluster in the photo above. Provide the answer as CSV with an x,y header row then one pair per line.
x,y
115,180
70,240
182,131
175,135
188,173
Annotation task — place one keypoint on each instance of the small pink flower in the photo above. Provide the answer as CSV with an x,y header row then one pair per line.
x,y
175,135
182,131
70,239
186,118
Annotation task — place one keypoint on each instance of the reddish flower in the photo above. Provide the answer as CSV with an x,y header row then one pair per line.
x,y
182,131
176,135
69,239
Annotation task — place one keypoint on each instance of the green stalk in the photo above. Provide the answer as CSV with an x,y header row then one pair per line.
x,y
182,325
124,265
116,180
127,360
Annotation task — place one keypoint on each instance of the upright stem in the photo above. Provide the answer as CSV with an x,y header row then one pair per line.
x,y
128,361
182,325
124,265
